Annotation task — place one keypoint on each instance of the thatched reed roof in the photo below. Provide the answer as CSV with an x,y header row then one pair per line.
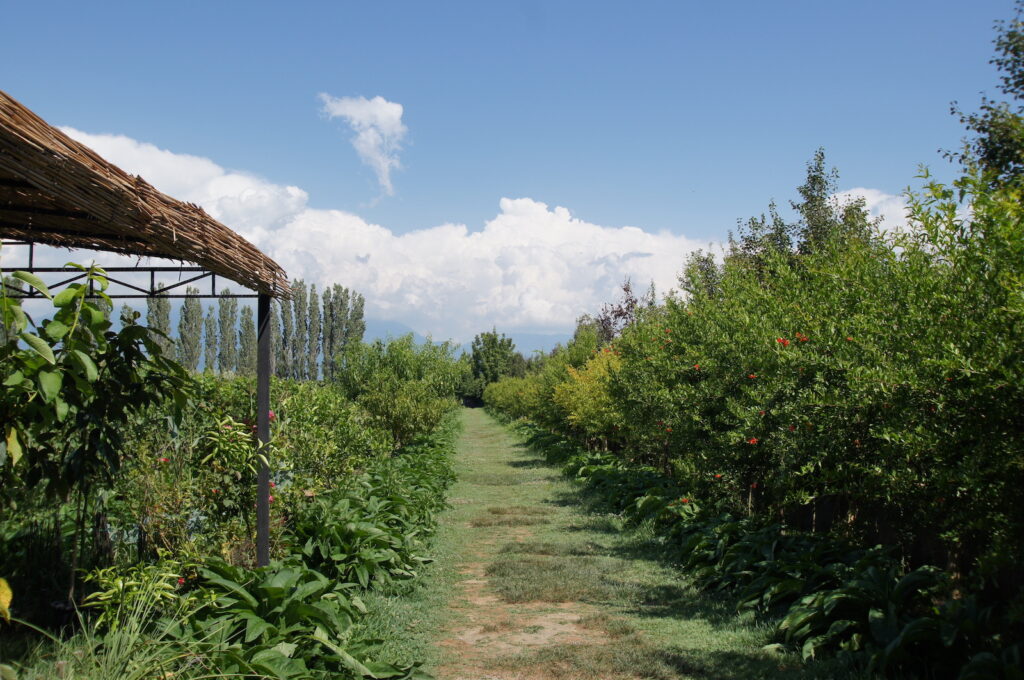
x,y
56,191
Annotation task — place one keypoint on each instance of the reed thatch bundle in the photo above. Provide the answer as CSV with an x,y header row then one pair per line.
x,y
56,191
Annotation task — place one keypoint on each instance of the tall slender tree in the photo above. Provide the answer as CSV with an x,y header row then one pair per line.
x,y
327,331
313,344
210,341
284,364
339,323
158,317
275,337
247,343
227,357
356,325
190,331
299,308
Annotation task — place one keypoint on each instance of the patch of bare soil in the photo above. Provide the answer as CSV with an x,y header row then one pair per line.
x,y
493,630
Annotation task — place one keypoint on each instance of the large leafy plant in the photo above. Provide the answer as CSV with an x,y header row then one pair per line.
x,y
71,383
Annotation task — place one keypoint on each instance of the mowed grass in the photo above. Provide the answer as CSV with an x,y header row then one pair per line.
x,y
648,619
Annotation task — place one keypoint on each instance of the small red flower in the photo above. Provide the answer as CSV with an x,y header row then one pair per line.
x,y
272,485
668,330
752,440
856,442
792,428
782,341
760,413
271,416
697,366
718,476
684,500
801,337
181,581
270,498
214,491
165,460
668,429
754,485
849,338
752,376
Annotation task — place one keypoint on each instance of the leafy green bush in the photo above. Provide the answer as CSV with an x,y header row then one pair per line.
x,y
406,388
373,529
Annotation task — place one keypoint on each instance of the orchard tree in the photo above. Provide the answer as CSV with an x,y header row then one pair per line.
x,y
998,126
492,357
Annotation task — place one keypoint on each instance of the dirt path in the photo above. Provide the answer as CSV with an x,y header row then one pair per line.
x,y
543,589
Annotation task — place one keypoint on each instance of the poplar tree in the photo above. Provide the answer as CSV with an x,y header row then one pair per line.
x,y
275,338
299,310
313,345
190,331
355,326
158,317
227,357
247,343
339,322
284,366
327,331
210,346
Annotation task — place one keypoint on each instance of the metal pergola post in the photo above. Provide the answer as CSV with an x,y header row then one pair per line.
x,y
263,430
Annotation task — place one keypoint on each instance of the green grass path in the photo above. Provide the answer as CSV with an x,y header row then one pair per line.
x,y
529,584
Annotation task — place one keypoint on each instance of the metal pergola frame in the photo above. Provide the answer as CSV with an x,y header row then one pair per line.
x,y
262,352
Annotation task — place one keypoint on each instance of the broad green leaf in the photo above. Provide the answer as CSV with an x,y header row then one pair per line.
x,y
49,384
55,330
86,362
67,296
34,281
347,659
13,314
39,346
14,379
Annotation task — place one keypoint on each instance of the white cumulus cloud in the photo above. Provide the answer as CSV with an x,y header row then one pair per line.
x,y
379,131
531,268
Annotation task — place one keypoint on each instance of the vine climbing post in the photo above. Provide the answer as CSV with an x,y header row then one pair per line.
x,y
263,429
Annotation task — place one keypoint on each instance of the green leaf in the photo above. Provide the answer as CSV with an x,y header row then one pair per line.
x,y
34,281
49,384
13,445
87,364
14,379
13,314
39,346
67,296
55,330
347,659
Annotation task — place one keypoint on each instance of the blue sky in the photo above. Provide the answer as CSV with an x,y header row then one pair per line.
x,y
674,117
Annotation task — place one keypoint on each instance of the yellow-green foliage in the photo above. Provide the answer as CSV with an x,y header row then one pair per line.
x,y
585,398
515,397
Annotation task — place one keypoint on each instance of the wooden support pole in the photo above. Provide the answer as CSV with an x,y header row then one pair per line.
x,y
263,430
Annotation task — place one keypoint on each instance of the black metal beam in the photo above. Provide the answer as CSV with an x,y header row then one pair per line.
x,y
263,430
